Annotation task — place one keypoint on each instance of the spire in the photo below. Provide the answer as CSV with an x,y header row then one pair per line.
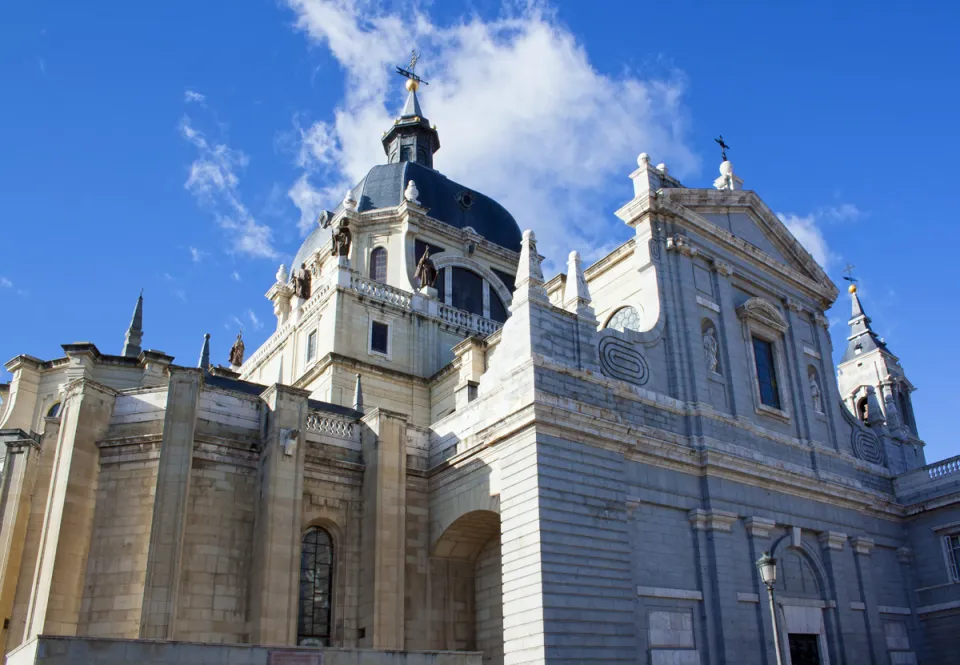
x,y
411,138
358,396
204,363
862,338
131,344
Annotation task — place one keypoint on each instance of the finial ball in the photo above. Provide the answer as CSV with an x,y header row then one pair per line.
x,y
411,85
529,235
852,288
574,256
643,158
726,168
662,168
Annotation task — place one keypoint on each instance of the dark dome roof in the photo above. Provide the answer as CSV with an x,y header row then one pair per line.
x,y
444,199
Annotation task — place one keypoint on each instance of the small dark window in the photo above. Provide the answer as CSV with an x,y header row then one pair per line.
x,y
467,291
311,345
497,310
54,411
904,408
378,265
316,588
863,410
766,373
379,337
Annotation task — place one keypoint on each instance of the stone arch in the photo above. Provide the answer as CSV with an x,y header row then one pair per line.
x,y
466,587
808,557
625,318
496,284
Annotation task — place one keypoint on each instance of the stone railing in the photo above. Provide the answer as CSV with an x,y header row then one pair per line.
x,y
945,468
267,347
464,319
930,478
319,293
378,291
325,423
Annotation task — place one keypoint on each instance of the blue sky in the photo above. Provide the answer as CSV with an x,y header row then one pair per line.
x,y
185,147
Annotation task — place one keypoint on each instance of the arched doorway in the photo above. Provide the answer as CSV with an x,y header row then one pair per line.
x,y
466,587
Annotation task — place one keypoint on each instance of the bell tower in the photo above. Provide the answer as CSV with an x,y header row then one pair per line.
x,y
872,382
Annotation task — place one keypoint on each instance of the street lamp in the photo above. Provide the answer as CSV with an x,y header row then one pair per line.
x,y
767,566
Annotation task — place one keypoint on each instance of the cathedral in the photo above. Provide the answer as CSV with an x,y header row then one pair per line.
x,y
442,457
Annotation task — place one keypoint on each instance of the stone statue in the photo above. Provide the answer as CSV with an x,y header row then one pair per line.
x,y
236,351
282,274
341,241
302,282
711,349
426,271
816,394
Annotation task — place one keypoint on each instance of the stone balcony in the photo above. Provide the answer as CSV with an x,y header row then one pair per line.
x,y
933,483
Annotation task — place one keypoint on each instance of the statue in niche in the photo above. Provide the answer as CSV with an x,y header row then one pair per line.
x,y
236,351
816,394
302,282
711,349
426,271
341,241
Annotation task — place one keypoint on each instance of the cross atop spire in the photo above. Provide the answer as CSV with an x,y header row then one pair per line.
x,y
131,344
411,138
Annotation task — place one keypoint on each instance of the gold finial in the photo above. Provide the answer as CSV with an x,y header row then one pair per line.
x,y
413,81
848,275
411,85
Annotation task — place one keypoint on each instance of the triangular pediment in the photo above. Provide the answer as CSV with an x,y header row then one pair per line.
x,y
742,218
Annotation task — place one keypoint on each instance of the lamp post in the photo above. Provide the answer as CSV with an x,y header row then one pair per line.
x,y
767,566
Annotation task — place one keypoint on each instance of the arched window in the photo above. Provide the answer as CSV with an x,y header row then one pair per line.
x,y
378,265
863,410
498,311
316,588
625,318
467,290
54,411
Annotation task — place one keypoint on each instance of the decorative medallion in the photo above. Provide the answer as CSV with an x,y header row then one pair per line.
x,y
465,199
866,446
619,360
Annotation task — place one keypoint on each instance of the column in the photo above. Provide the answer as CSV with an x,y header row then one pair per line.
x,y
19,476
162,584
57,587
758,529
729,327
840,573
384,529
862,549
275,582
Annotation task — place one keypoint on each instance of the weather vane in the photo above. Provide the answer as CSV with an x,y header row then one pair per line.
x,y
409,74
848,273
723,147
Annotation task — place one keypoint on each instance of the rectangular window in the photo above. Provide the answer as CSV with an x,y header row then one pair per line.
x,y
379,337
951,547
311,345
467,291
766,373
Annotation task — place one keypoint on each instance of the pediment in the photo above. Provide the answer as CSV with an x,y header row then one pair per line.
x,y
742,218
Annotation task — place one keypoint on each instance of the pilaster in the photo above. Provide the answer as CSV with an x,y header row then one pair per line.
x,y
713,530
862,549
384,528
274,584
57,587
162,583
19,476
839,573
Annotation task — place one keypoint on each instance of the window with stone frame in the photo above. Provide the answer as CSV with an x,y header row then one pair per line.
x,y
951,550
378,265
766,366
467,290
311,345
379,337
316,588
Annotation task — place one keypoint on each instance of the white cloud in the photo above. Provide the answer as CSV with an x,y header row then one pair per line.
x,y
214,182
257,324
236,276
845,212
197,255
808,232
523,116
6,283
193,96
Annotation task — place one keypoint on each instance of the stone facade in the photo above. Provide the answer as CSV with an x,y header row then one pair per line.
x,y
397,469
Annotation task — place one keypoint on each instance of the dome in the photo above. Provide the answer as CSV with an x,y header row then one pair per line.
x,y
445,200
